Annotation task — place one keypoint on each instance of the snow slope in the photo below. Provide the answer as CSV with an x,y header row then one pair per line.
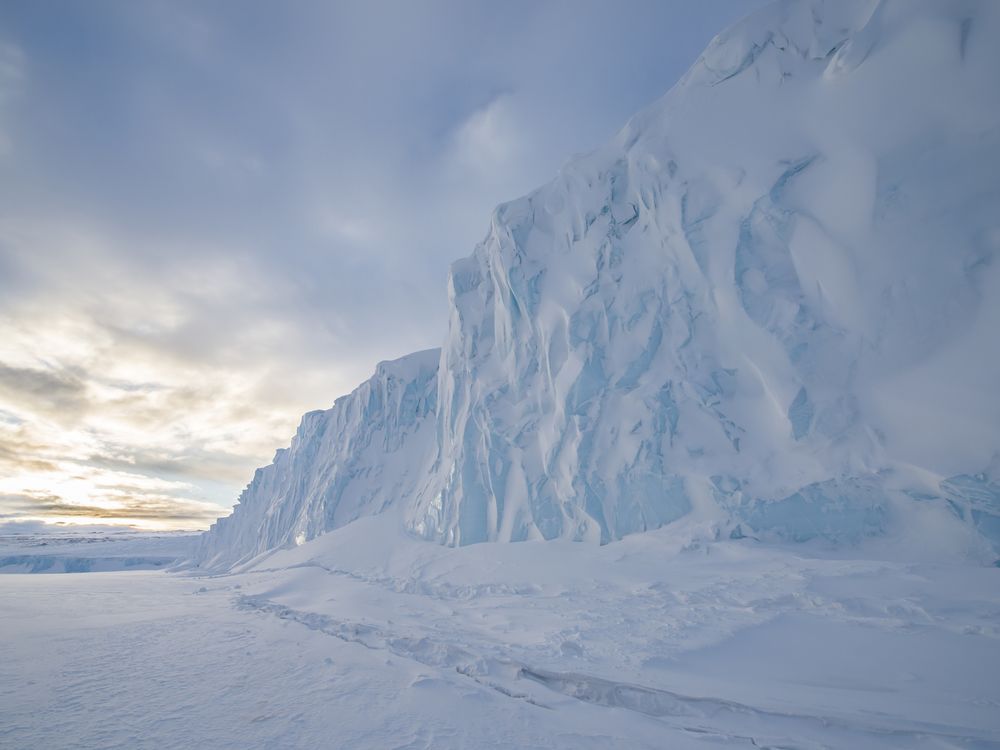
x,y
770,303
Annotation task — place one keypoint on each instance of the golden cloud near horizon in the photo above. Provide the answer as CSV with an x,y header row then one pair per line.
x,y
126,410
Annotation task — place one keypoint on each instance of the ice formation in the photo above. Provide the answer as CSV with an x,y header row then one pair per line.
x,y
349,461
771,302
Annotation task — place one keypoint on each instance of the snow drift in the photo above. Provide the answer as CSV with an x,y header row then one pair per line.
x,y
770,303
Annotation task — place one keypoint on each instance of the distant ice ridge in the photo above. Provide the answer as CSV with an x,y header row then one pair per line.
x,y
42,548
771,303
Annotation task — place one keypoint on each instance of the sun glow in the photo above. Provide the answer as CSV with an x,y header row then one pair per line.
x,y
99,425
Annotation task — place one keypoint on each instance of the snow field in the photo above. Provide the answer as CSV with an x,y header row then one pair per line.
x,y
666,639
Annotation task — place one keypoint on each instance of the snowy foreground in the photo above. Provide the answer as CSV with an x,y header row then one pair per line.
x,y
662,640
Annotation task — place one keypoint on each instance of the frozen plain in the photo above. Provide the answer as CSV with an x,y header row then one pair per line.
x,y
36,548
670,639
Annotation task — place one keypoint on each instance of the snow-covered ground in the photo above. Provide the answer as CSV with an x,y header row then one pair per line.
x,y
669,639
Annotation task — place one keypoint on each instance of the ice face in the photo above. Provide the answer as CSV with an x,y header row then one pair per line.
x,y
349,461
771,302
735,286
975,499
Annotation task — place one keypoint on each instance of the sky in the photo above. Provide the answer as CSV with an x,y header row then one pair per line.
x,y
218,215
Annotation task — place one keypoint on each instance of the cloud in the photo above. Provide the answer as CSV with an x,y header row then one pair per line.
x,y
17,457
12,75
186,464
178,442
51,390
35,528
490,138
162,512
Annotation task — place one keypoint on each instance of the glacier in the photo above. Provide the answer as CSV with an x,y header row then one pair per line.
x,y
349,461
769,306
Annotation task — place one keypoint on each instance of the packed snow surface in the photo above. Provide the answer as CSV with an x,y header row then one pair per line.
x,y
771,302
368,638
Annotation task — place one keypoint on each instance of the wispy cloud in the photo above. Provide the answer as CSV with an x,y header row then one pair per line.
x,y
43,389
143,511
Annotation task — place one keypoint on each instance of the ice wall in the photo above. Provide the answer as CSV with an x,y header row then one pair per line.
x,y
351,460
772,300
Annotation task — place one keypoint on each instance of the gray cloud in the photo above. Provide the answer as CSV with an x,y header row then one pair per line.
x,y
35,528
193,463
49,390
138,508
11,79
15,457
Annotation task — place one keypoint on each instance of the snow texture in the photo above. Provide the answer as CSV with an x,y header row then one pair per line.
x,y
368,638
770,303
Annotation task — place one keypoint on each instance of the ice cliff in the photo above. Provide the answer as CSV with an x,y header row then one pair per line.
x,y
771,302
351,460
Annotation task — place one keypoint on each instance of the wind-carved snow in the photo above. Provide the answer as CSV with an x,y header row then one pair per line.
x,y
769,304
